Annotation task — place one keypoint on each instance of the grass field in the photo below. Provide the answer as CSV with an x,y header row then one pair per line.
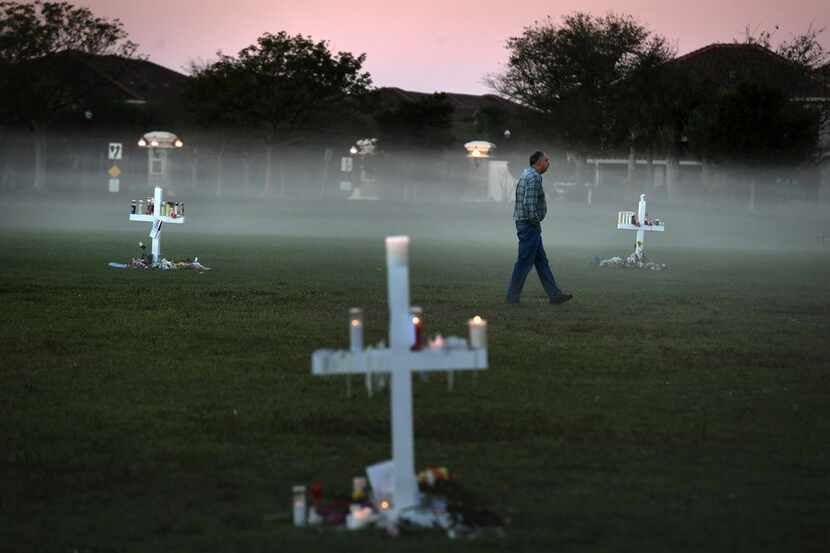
x,y
686,410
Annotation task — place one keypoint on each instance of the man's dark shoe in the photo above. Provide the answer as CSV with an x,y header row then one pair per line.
x,y
560,298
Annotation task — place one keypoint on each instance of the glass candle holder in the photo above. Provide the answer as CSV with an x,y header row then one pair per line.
x,y
417,317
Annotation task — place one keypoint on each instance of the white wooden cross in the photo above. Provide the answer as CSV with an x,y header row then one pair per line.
x,y
400,361
156,219
639,222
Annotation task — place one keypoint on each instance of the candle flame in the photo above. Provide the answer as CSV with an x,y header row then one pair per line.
x,y
384,504
355,322
416,320
477,320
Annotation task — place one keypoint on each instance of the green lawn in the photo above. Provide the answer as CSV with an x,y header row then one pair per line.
x,y
686,410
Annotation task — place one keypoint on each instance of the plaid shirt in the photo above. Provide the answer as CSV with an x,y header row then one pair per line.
x,y
530,198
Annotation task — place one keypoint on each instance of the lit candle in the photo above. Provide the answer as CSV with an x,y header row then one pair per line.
x,y
397,250
356,329
417,327
478,332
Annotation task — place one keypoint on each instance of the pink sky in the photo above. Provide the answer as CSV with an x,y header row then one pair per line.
x,y
427,46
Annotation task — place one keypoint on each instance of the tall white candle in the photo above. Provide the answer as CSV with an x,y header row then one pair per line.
x,y
478,332
299,506
356,329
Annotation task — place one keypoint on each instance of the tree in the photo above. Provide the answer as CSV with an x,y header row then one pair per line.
x,y
754,125
646,106
490,122
283,86
214,94
803,49
570,72
38,82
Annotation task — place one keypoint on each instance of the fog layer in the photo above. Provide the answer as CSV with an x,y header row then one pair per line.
x,y
443,197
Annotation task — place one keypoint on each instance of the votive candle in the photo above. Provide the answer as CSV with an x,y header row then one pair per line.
x,y
417,315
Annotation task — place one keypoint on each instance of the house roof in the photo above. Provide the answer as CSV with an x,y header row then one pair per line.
x,y
99,82
726,65
135,80
464,104
466,108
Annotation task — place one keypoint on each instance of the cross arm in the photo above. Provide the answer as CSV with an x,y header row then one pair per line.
x,y
328,362
151,218
628,226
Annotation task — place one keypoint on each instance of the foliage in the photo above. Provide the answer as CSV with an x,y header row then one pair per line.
x,y
803,49
281,85
570,72
215,94
31,30
42,71
490,123
648,100
424,123
754,124
37,41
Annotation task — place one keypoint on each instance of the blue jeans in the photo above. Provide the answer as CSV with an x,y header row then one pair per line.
x,y
531,253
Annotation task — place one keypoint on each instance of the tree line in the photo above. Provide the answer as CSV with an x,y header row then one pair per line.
x,y
598,83
609,83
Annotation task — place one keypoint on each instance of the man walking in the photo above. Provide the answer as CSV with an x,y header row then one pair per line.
x,y
528,213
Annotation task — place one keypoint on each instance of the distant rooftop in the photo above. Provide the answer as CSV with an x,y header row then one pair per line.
x,y
731,63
